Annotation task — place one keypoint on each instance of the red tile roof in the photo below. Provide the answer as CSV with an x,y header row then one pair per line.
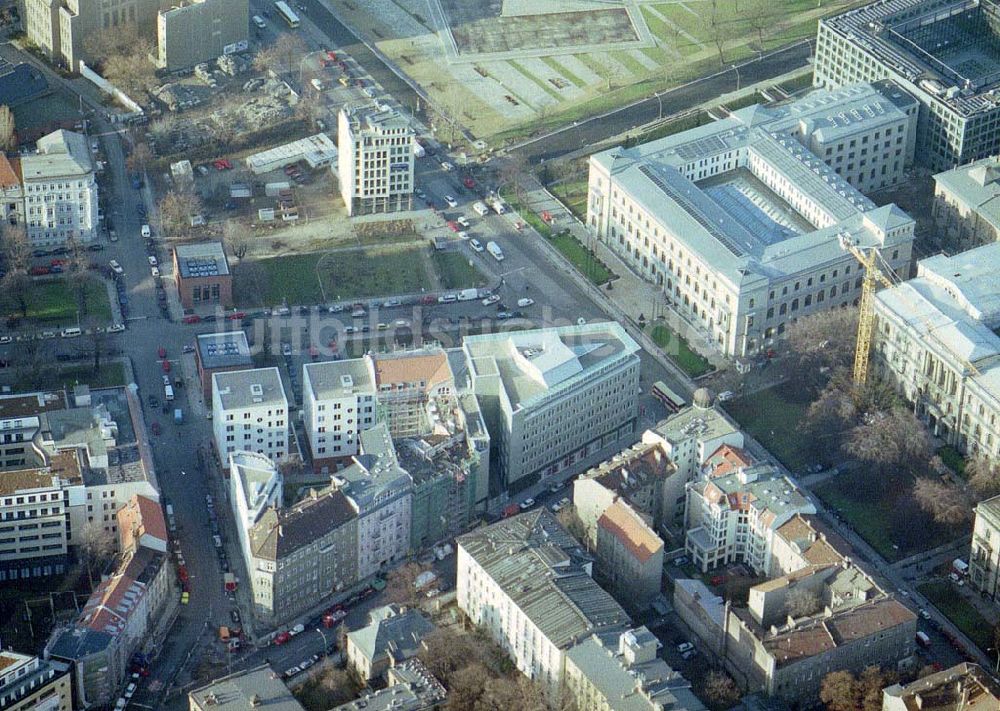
x,y
628,527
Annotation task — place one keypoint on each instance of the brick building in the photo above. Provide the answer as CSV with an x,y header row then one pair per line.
x,y
203,276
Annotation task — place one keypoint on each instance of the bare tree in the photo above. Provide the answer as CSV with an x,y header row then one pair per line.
x,y
96,548
125,58
327,688
139,156
839,692
236,237
984,476
893,439
282,56
177,208
801,602
163,127
718,32
15,255
821,344
465,687
8,130
511,692
399,584
760,17
568,517
949,505
720,689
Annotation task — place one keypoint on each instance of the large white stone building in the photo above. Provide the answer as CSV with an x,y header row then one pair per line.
x,y
935,340
553,398
60,190
984,556
250,413
967,203
338,403
375,160
943,52
740,221
526,582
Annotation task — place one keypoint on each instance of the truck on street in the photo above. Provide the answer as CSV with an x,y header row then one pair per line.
x,y
494,249
468,294
480,207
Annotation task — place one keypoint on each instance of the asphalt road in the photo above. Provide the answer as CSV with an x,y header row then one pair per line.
x,y
599,128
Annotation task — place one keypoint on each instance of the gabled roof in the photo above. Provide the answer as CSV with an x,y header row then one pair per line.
x,y
621,521
278,534
393,633
431,369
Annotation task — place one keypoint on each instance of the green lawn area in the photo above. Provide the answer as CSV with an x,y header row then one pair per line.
x,y
111,374
582,258
884,513
572,194
456,272
347,274
678,350
772,416
540,83
952,459
967,618
54,302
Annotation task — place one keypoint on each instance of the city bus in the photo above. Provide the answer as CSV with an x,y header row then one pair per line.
x,y
671,400
287,14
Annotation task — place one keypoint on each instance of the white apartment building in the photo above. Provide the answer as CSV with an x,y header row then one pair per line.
x,y
732,517
526,582
740,221
967,203
553,398
935,340
375,160
60,190
984,558
250,414
255,485
34,524
691,435
382,493
338,403
942,52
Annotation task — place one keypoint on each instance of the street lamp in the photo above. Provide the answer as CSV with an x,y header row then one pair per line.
x,y
323,635
737,70
659,103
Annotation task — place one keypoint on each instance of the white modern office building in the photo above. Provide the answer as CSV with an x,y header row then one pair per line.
x,y
935,339
338,403
943,52
553,398
250,414
375,160
741,221
60,190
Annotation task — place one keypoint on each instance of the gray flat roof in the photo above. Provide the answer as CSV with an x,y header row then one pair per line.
x,y
201,259
977,185
236,691
223,350
60,154
241,389
339,378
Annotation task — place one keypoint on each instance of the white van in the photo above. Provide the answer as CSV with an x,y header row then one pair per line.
x,y
259,21
71,332
146,231
168,393
480,207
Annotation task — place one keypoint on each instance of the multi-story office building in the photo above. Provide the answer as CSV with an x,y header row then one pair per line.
x,y
934,339
553,398
984,558
692,434
60,190
629,555
35,521
967,203
741,221
301,554
526,582
375,160
338,403
382,494
250,414
621,671
255,485
943,52
195,31
61,28
28,683
732,517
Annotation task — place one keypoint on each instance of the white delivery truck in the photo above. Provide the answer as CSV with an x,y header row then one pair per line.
x,y
498,206
168,393
480,207
418,150
494,249
468,294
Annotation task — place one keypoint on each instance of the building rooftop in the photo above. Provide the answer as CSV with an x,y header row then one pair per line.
x,y
645,686
704,423
990,509
545,572
411,687
23,674
735,222
228,349
315,150
115,599
954,304
761,487
632,468
815,542
942,46
143,516
201,259
963,687
243,389
375,473
977,186
22,480
539,364
393,633
256,688
59,154
622,522
412,368
726,460
257,476
278,534
13,407
339,378
369,119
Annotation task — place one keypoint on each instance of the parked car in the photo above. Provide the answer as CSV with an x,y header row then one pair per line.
x,y
527,504
476,245
116,267
491,299
452,202
523,303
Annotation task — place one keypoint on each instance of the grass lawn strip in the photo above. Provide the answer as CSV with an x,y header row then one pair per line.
x,y
960,612
541,83
54,301
564,72
585,261
678,350
456,272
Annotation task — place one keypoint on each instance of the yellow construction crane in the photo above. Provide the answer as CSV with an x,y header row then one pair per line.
x,y
877,273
